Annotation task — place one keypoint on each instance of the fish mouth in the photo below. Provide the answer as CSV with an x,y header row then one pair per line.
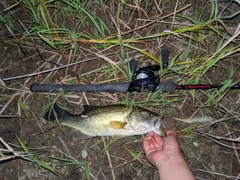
x,y
157,122
156,128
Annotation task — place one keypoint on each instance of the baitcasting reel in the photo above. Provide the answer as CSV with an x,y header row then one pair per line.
x,y
145,79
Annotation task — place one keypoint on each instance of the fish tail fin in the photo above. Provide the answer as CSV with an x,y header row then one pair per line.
x,y
54,113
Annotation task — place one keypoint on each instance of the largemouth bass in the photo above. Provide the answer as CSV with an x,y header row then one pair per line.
x,y
113,120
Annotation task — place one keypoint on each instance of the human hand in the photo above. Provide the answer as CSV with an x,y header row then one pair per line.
x,y
164,153
156,147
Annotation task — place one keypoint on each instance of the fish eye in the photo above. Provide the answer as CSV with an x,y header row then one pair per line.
x,y
151,114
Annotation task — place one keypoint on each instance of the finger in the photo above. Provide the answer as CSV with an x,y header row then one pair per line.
x,y
150,134
158,139
158,142
170,132
148,137
146,146
147,140
171,136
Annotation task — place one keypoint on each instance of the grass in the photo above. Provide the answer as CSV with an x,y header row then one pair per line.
x,y
202,43
36,159
78,164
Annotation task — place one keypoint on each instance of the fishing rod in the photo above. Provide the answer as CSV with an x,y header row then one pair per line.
x,y
144,79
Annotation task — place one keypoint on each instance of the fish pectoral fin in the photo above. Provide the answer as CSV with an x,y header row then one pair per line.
x,y
77,134
117,124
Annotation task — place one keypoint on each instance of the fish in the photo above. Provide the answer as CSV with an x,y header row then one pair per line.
x,y
111,120
200,119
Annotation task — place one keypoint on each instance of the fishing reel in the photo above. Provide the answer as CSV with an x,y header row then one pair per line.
x,y
144,79
147,78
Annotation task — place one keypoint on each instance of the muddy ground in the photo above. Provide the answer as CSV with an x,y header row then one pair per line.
x,y
208,158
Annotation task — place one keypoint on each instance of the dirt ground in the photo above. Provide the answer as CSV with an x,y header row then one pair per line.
x,y
209,157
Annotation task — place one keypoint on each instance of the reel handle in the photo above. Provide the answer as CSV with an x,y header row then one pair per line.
x,y
165,57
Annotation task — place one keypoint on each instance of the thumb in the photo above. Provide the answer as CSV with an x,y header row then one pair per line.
x,y
170,132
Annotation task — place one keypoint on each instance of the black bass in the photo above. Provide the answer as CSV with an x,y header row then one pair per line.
x,y
113,120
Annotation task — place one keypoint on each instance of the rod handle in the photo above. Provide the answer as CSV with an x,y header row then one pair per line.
x,y
114,87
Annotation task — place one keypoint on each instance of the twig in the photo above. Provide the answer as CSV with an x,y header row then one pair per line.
x,y
109,159
159,19
217,52
15,39
64,145
236,153
216,173
20,22
134,159
53,69
15,153
237,140
6,105
216,139
69,57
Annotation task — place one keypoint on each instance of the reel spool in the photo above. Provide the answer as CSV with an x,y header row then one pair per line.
x,y
145,79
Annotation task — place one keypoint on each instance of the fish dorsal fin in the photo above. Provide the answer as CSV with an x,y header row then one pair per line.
x,y
117,125
88,108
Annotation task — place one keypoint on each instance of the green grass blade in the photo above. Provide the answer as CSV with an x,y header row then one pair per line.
x,y
35,159
69,162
